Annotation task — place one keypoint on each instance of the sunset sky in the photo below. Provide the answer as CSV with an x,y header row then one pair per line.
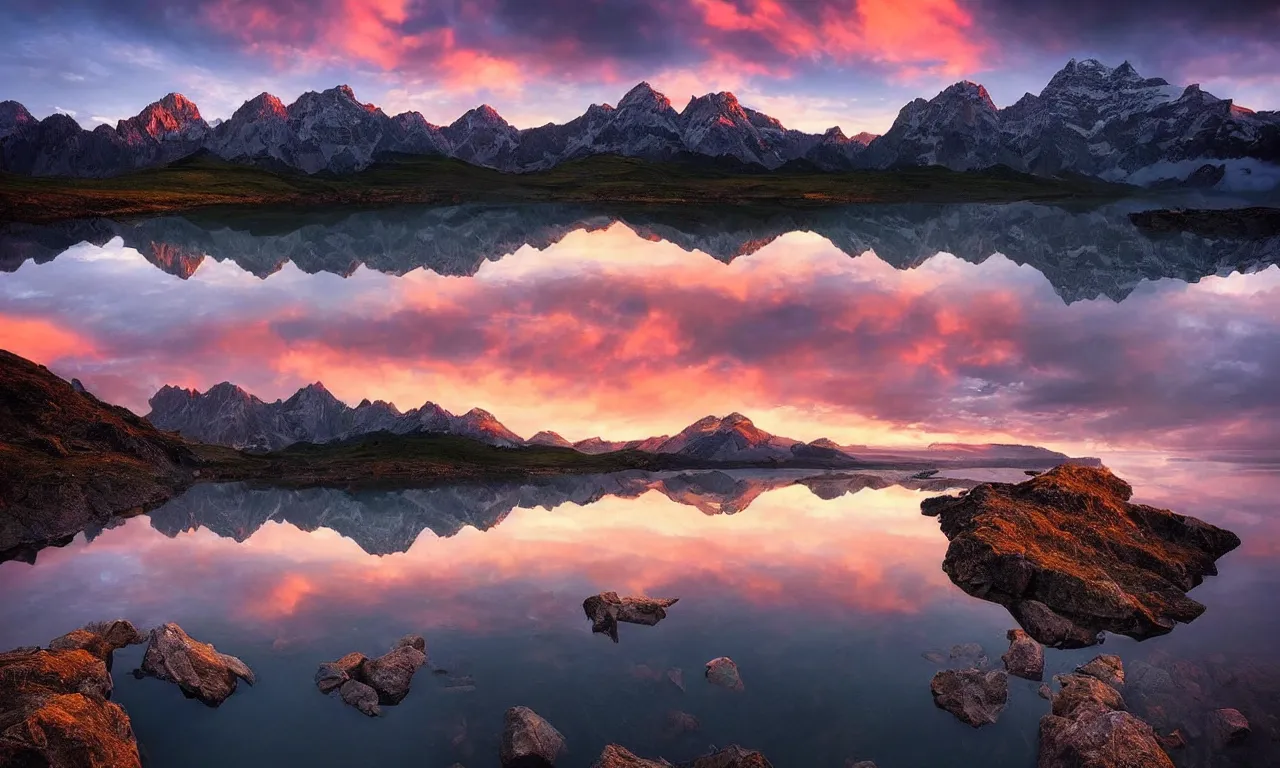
x,y
811,63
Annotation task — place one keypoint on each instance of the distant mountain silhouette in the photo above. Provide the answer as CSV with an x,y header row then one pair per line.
x,y
385,522
1084,254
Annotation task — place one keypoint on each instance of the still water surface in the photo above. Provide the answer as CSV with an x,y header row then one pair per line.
x,y
898,326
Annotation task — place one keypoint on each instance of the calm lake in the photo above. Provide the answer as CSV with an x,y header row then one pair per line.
x,y
872,326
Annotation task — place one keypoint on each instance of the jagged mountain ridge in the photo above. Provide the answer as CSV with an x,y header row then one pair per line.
x,y
1090,119
1083,254
228,415
387,522
333,131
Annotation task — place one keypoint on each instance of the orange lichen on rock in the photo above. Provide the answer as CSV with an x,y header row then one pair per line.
x,y
54,711
1071,557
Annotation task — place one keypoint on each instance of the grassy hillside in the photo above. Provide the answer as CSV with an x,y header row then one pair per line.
x,y
203,181
383,458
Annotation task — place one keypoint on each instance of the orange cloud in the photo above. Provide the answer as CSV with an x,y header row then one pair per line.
x,y
41,340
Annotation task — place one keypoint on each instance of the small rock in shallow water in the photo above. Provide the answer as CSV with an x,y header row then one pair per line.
x,y
391,673
1025,657
1229,726
859,764
1045,692
935,657
332,674
1107,668
197,668
975,697
415,642
1088,727
607,609
724,673
529,741
615,756
360,696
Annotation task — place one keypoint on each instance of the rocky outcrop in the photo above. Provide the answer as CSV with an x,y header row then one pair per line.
x,y
1025,657
1107,668
1090,727
197,668
723,672
54,710
101,639
975,697
366,683
528,741
69,460
1070,556
1229,726
607,609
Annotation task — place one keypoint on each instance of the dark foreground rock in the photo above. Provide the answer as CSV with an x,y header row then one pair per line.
x,y
54,711
1088,728
365,683
975,697
1025,657
1070,557
724,673
197,668
607,609
69,460
528,741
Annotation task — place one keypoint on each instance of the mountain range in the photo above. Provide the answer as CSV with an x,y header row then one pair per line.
x,y
386,522
1084,254
227,415
1090,118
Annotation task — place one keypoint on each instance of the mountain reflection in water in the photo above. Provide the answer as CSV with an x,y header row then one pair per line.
x,y
906,345
825,601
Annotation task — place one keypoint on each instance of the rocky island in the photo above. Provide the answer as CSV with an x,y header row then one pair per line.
x,y
1071,557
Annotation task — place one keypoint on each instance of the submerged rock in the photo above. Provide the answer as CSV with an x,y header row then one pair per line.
x,y
1107,668
968,654
1229,726
731,756
1025,657
615,756
197,668
360,696
975,697
676,676
1088,728
724,673
529,741
679,723
54,712
1071,557
607,609
859,764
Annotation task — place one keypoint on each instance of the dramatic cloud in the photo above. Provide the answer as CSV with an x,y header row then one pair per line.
x,y
852,62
